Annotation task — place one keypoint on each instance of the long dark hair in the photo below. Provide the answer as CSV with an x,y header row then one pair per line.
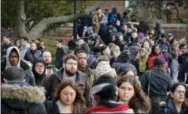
x,y
79,102
153,50
139,101
173,88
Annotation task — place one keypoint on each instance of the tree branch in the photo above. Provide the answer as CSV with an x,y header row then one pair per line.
x,y
21,19
38,29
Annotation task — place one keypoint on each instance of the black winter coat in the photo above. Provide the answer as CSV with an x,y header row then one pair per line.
x,y
160,83
23,99
171,108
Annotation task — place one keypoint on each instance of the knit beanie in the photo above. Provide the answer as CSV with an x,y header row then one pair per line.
x,y
14,73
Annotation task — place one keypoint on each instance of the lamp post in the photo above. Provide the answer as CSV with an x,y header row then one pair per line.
x,y
75,21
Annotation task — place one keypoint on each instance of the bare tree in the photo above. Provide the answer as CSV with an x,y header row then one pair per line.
x,y
39,28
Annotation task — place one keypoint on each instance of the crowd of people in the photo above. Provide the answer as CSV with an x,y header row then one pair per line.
x,y
118,68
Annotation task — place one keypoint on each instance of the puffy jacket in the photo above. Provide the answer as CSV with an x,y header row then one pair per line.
x,y
22,99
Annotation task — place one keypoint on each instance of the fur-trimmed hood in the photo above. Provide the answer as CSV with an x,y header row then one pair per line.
x,y
16,96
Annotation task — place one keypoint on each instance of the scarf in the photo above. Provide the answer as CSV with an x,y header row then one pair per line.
x,y
142,59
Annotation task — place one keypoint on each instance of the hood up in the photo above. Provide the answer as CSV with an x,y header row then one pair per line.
x,y
9,50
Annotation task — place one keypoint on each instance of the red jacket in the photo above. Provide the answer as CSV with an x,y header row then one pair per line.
x,y
152,58
120,108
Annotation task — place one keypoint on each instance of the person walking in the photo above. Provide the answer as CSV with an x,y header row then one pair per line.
x,y
68,99
18,97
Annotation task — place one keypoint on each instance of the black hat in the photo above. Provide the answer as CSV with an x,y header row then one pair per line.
x,y
72,44
105,87
158,61
103,81
14,74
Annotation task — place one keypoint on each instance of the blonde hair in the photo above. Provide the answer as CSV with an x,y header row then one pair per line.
x,y
115,50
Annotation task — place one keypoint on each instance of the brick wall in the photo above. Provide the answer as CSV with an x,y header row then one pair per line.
x,y
120,5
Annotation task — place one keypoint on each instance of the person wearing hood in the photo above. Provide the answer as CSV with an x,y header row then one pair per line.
x,y
13,59
105,91
38,70
18,97
32,54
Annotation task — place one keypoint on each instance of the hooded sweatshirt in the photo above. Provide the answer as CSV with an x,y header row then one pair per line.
x,y
9,50
5,64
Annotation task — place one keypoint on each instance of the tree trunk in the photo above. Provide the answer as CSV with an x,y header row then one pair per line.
x,y
38,29
20,19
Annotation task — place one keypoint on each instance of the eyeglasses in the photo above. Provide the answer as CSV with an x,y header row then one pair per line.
x,y
72,64
183,92
39,66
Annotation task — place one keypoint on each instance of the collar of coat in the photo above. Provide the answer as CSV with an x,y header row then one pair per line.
x,y
24,93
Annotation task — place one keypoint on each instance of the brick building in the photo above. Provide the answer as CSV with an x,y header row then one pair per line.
x,y
119,4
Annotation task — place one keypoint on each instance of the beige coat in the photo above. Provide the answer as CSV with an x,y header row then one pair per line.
x,y
95,22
